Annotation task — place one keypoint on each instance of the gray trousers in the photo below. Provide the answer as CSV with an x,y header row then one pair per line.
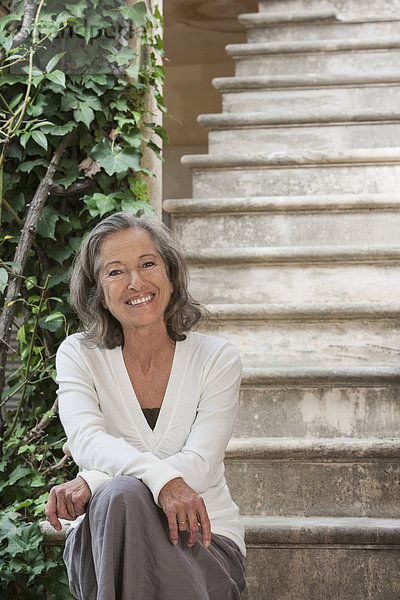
x,y
122,551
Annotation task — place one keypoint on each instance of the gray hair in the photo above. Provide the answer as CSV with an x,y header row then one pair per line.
x,y
182,314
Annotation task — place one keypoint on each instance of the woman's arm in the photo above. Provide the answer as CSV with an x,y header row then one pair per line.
x,y
201,459
91,446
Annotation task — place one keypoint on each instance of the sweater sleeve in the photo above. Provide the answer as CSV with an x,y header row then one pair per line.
x,y
99,454
201,459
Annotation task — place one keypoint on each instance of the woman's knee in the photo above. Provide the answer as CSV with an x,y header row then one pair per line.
x,y
123,490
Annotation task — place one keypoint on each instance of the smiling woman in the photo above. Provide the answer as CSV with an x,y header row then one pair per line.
x,y
136,288
148,406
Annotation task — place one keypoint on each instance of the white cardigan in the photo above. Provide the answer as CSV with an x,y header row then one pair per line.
x,y
108,434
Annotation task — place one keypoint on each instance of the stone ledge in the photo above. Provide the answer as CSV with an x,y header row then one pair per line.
x,y
281,204
295,255
314,449
300,81
314,311
249,20
51,536
315,46
352,157
295,531
302,117
312,376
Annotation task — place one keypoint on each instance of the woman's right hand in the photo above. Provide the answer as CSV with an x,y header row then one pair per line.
x,y
184,509
67,501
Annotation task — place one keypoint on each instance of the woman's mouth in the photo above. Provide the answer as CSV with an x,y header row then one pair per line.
x,y
140,300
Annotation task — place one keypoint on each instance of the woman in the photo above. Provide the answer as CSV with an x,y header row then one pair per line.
x,y
148,407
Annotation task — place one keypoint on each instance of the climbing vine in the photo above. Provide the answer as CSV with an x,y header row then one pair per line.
x,y
75,77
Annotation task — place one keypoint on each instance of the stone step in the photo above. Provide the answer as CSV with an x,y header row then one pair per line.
x,y
327,402
309,95
315,558
315,477
279,174
275,335
292,221
258,132
298,274
321,25
332,57
332,555
344,8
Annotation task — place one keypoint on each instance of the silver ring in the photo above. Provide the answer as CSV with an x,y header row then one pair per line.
x,y
180,522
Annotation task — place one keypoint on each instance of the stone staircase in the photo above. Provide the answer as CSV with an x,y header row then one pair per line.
x,y
292,236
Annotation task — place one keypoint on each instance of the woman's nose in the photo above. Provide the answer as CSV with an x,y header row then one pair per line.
x,y
135,281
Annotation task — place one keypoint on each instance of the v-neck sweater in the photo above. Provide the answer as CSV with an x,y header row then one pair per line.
x,y
108,434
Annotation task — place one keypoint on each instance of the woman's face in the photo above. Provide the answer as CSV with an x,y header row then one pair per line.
x,y
134,280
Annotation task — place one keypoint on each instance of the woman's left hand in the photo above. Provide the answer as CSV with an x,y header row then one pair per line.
x,y
185,508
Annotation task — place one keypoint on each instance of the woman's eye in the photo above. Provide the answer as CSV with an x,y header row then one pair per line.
x,y
114,272
149,263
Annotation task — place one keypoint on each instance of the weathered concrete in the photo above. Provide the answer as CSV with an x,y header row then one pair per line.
x,y
331,57
272,138
351,171
286,410
309,97
285,26
288,558
291,282
317,336
324,477
345,8
290,229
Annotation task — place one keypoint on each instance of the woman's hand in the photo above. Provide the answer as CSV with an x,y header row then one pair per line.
x,y
67,501
184,507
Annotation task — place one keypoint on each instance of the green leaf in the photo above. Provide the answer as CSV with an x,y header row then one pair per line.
x,y
47,223
133,71
21,335
117,161
24,138
37,480
57,77
54,61
40,139
18,473
53,316
99,204
29,165
15,101
62,253
58,129
137,13
125,56
138,206
3,279
84,114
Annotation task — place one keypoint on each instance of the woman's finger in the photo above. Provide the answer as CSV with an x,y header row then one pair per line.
x,y
205,524
182,521
173,528
68,505
193,529
51,511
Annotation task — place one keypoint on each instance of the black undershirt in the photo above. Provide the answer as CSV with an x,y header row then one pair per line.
x,y
151,415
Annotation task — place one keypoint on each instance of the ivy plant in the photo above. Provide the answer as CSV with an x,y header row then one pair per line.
x,y
75,78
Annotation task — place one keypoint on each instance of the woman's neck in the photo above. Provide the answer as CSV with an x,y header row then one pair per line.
x,y
146,346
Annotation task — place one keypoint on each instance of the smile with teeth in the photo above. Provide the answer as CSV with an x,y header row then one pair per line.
x,y
140,300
